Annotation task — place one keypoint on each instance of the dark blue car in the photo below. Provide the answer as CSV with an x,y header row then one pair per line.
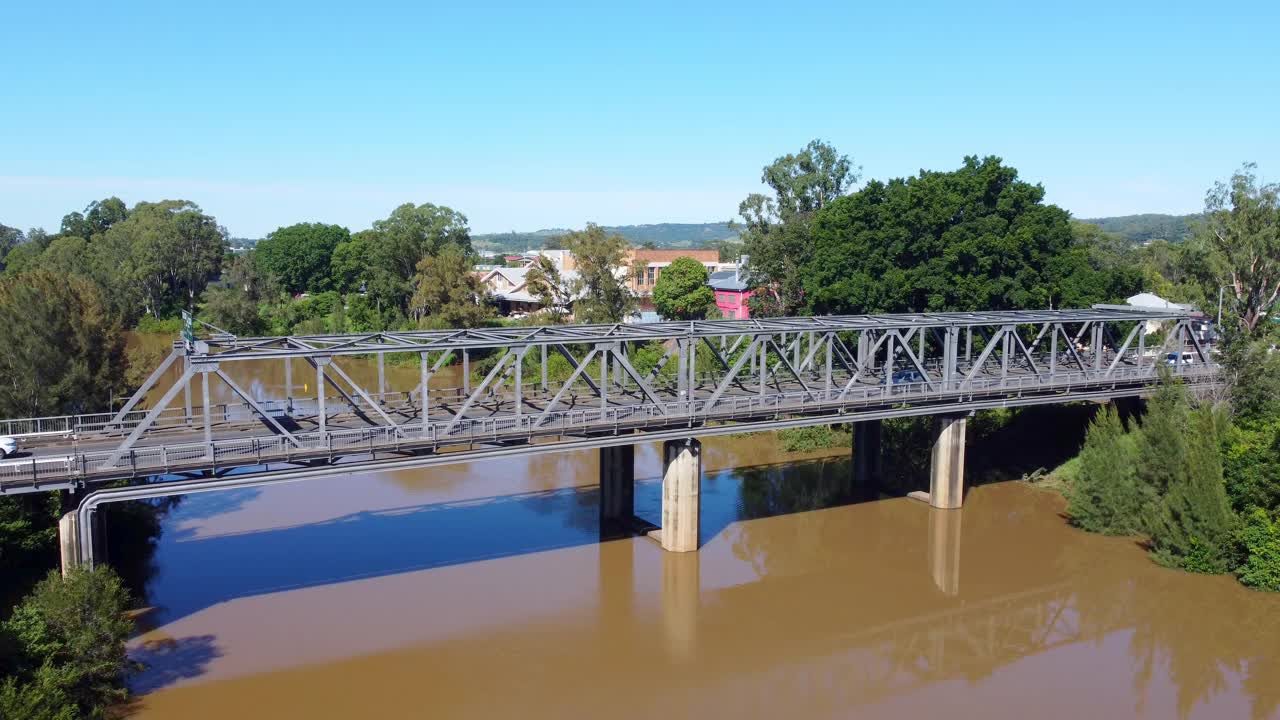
x,y
905,377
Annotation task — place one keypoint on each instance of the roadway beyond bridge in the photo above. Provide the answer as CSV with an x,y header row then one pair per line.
x,y
563,387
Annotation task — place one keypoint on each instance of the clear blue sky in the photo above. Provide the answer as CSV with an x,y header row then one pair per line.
x,y
525,117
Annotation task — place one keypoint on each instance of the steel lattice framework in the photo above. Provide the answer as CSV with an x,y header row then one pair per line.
x,y
572,386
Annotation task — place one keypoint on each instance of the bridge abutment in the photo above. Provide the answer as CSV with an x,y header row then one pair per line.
x,y
681,487
617,490
69,541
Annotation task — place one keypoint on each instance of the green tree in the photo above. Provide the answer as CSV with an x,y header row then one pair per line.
x,y
97,218
447,294
544,282
413,232
682,292
1098,267
10,238
1182,272
71,637
67,255
235,306
1242,224
349,265
60,350
171,251
22,258
1106,497
300,256
1260,538
1192,525
601,292
777,228
977,238
28,541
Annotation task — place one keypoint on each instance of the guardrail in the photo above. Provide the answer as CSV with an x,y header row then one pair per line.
x,y
163,459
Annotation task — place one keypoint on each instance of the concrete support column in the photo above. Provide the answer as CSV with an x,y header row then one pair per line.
x,y
866,453
946,477
617,490
681,484
69,541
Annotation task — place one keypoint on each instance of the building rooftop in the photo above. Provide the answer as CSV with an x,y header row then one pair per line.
x,y
728,280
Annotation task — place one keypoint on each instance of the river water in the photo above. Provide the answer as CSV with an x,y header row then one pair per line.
x,y
484,590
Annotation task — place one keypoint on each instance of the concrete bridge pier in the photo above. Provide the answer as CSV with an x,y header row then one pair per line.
x,y
867,458
946,473
617,491
946,476
681,485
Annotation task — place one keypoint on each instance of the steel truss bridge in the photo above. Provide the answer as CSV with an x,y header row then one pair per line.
x,y
563,387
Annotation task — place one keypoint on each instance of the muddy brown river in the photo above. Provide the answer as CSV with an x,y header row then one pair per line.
x,y
484,591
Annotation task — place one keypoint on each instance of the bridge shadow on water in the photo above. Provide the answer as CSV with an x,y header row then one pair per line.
x,y
197,572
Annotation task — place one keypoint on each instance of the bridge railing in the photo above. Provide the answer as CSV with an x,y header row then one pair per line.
x,y
161,459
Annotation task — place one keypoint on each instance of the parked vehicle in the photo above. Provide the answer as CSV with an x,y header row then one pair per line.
x,y
8,446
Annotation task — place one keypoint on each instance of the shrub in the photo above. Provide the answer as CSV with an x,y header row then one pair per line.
x,y
1106,496
808,439
69,636
1192,525
1260,537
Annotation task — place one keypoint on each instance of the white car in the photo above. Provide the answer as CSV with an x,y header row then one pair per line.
x,y
1177,358
8,446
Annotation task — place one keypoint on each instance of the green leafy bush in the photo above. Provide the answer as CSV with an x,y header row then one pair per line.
x,y
68,648
1260,538
808,439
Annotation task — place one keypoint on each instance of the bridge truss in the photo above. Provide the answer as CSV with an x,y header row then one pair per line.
x,y
538,389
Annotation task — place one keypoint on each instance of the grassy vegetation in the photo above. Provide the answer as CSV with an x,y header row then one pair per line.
x,y
818,437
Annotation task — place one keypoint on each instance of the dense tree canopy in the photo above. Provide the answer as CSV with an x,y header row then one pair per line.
x,y
977,238
299,256
349,265
97,218
682,292
60,350
69,658
167,252
413,232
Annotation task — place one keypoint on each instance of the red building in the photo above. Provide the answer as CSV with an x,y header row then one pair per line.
x,y
732,293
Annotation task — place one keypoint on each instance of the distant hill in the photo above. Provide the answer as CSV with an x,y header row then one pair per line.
x,y
1151,226
662,235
